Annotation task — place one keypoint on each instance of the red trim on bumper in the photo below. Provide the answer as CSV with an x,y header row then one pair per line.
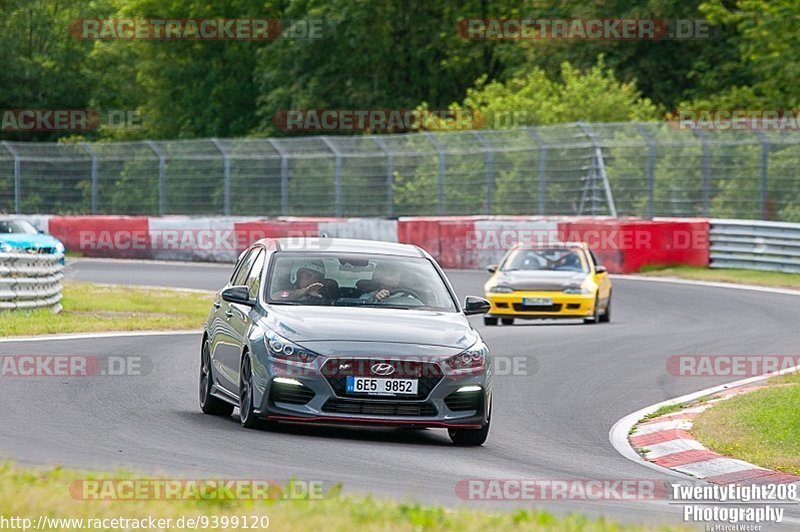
x,y
358,420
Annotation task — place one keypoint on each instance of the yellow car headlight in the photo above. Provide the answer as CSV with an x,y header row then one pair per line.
x,y
577,290
501,289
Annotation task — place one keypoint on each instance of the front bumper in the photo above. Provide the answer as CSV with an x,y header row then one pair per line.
x,y
317,398
563,305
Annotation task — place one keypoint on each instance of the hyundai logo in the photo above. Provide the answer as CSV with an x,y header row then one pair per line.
x,y
382,368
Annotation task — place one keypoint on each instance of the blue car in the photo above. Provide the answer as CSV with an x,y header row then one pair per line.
x,y
19,236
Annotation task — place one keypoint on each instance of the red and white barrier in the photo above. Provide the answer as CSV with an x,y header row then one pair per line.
x,y
623,245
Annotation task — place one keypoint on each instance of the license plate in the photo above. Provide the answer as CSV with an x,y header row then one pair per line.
x,y
537,301
372,386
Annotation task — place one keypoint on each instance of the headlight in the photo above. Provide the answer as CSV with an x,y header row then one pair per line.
x,y
281,348
470,361
59,247
576,290
501,289
6,248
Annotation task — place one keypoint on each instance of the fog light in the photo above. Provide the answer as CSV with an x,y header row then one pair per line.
x,y
469,389
284,380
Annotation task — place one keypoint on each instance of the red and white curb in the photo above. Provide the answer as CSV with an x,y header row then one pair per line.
x,y
666,441
678,444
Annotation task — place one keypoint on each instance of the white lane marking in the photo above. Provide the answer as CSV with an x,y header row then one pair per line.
x,y
694,409
149,287
714,467
710,284
85,336
227,265
618,435
673,424
657,450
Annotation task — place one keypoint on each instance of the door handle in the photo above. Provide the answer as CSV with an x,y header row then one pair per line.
x,y
229,314
217,304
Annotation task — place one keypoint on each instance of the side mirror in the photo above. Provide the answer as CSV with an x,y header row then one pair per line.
x,y
239,295
492,268
476,305
600,269
41,231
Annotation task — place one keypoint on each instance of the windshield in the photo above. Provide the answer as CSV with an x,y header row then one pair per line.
x,y
16,226
553,259
357,280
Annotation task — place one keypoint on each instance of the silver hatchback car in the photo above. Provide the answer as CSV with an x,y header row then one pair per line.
x,y
346,331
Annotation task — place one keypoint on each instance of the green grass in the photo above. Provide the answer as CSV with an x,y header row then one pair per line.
x,y
671,409
761,427
29,493
723,275
96,308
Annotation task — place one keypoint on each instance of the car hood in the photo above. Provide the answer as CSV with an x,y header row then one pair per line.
x,y
334,328
545,280
24,240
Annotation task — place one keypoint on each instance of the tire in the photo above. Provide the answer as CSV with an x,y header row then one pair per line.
x,y
507,321
209,404
470,437
605,317
489,321
596,317
246,416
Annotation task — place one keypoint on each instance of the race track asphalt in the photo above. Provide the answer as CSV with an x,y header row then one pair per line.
x,y
550,423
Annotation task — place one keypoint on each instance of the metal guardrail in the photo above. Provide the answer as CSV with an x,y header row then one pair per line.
x,y
773,246
647,169
30,281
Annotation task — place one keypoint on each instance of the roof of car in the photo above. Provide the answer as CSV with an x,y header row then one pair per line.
x,y
345,245
551,245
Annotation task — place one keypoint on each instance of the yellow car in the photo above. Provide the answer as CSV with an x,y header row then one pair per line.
x,y
554,280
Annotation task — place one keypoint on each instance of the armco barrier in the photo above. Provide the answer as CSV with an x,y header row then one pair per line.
x,y
194,239
250,231
758,245
623,245
30,281
626,245
125,237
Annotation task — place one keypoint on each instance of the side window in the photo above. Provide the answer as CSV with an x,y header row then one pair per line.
x,y
254,278
594,259
238,267
244,269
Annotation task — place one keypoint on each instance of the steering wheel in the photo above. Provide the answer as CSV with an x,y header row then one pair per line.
x,y
406,292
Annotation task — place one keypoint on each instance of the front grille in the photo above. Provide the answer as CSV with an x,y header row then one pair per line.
x,y
41,251
428,375
545,308
457,401
290,393
379,408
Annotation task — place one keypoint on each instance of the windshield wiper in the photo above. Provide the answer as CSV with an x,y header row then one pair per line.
x,y
384,305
